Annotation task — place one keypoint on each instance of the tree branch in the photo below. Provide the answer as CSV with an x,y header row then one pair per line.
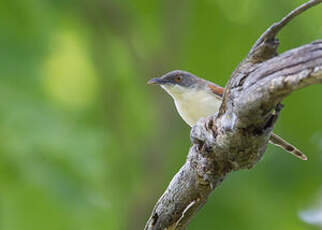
x,y
236,138
271,32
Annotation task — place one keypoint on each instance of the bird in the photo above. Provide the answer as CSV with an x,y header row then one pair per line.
x,y
197,98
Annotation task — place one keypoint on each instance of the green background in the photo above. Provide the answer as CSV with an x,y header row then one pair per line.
x,y
86,144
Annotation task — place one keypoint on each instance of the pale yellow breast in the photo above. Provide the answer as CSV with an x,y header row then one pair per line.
x,y
194,104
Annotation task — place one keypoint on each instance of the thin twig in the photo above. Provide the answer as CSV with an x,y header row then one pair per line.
x,y
272,31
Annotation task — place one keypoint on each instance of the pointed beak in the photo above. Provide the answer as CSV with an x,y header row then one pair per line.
x,y
155,81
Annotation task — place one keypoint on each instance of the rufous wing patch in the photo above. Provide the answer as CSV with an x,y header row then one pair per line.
x,y
219,91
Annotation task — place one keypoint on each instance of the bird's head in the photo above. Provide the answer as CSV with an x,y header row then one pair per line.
x,y
178,82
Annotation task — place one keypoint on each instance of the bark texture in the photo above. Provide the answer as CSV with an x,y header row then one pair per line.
x,y
236,137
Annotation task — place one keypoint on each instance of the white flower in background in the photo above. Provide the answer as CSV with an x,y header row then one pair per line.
x,y
313,215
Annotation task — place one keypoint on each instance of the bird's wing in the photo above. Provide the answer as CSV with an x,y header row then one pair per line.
x,y
216,89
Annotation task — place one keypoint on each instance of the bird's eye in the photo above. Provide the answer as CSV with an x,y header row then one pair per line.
x,y
178,78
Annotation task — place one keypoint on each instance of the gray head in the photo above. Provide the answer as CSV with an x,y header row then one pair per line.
x,y
179,78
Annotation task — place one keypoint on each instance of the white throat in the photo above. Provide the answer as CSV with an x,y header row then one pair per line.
x,y
193,104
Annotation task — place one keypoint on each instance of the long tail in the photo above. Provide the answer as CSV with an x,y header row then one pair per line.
x,y
277,140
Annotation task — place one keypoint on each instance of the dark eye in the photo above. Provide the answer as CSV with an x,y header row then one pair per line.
x,y
178,78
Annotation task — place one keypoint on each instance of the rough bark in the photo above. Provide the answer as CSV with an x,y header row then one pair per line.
x,y
236,137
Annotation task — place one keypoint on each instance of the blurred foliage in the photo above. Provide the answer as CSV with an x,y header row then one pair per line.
x,y
85,144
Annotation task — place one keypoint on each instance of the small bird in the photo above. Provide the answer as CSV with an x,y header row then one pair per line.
x,y
196,98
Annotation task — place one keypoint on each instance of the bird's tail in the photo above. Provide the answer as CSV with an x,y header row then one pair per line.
x,y
277,140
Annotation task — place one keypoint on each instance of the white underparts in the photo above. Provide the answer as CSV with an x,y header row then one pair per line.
x,y
193,104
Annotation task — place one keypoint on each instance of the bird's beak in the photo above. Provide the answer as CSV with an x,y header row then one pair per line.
x,y
155,81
